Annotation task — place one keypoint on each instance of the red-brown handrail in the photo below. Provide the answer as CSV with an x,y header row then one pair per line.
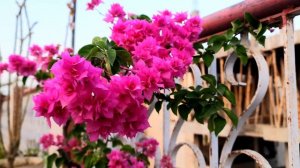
x,y
261,9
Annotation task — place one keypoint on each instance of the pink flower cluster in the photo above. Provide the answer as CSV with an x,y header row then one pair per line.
x,y
20,65
43,56
72,143
48,140
147,147
94,3
116,12
166,162
78,91
162,49
120,159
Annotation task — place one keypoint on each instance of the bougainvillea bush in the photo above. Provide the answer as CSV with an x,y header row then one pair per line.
x,y
106,85
100,94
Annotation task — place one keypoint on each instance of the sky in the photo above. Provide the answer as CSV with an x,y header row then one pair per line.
x,y
52,17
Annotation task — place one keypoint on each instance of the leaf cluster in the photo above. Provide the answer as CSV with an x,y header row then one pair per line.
x,y
229,40
107,55
206,103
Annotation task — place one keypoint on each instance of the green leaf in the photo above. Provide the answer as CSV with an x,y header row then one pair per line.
x,y
234,119
174,106
115,68
227,46
85,50
158,105
221,88
219,123
59,162
196,59
198,114
192,95
180,94
113,44
216,38
124,57
236,26
229,34
128,148
242,53
210,79
198,45
217,46
262,29
211,124
210,110
111,53
144,17
178,86
230,97
24,79
184,111
116,142
208,59
99,42
102,163
88,161
51,63
41,75
235,41
143,158
261,40
50,160
95,53
251,20
207,91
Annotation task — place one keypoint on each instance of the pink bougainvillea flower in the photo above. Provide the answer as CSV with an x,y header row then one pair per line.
x,y
69,50
22,66
94,3
47,140
180,17
116,11
15,63
166,162
147,147
3,67
149,78
72,143
118,159
47,103
59,140
36,50
28,68
51,49
72,68
135,163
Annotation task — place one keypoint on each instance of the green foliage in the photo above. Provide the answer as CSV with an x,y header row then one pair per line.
x,y
24,79
40,75
206,103
51,159
107,55
230,40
